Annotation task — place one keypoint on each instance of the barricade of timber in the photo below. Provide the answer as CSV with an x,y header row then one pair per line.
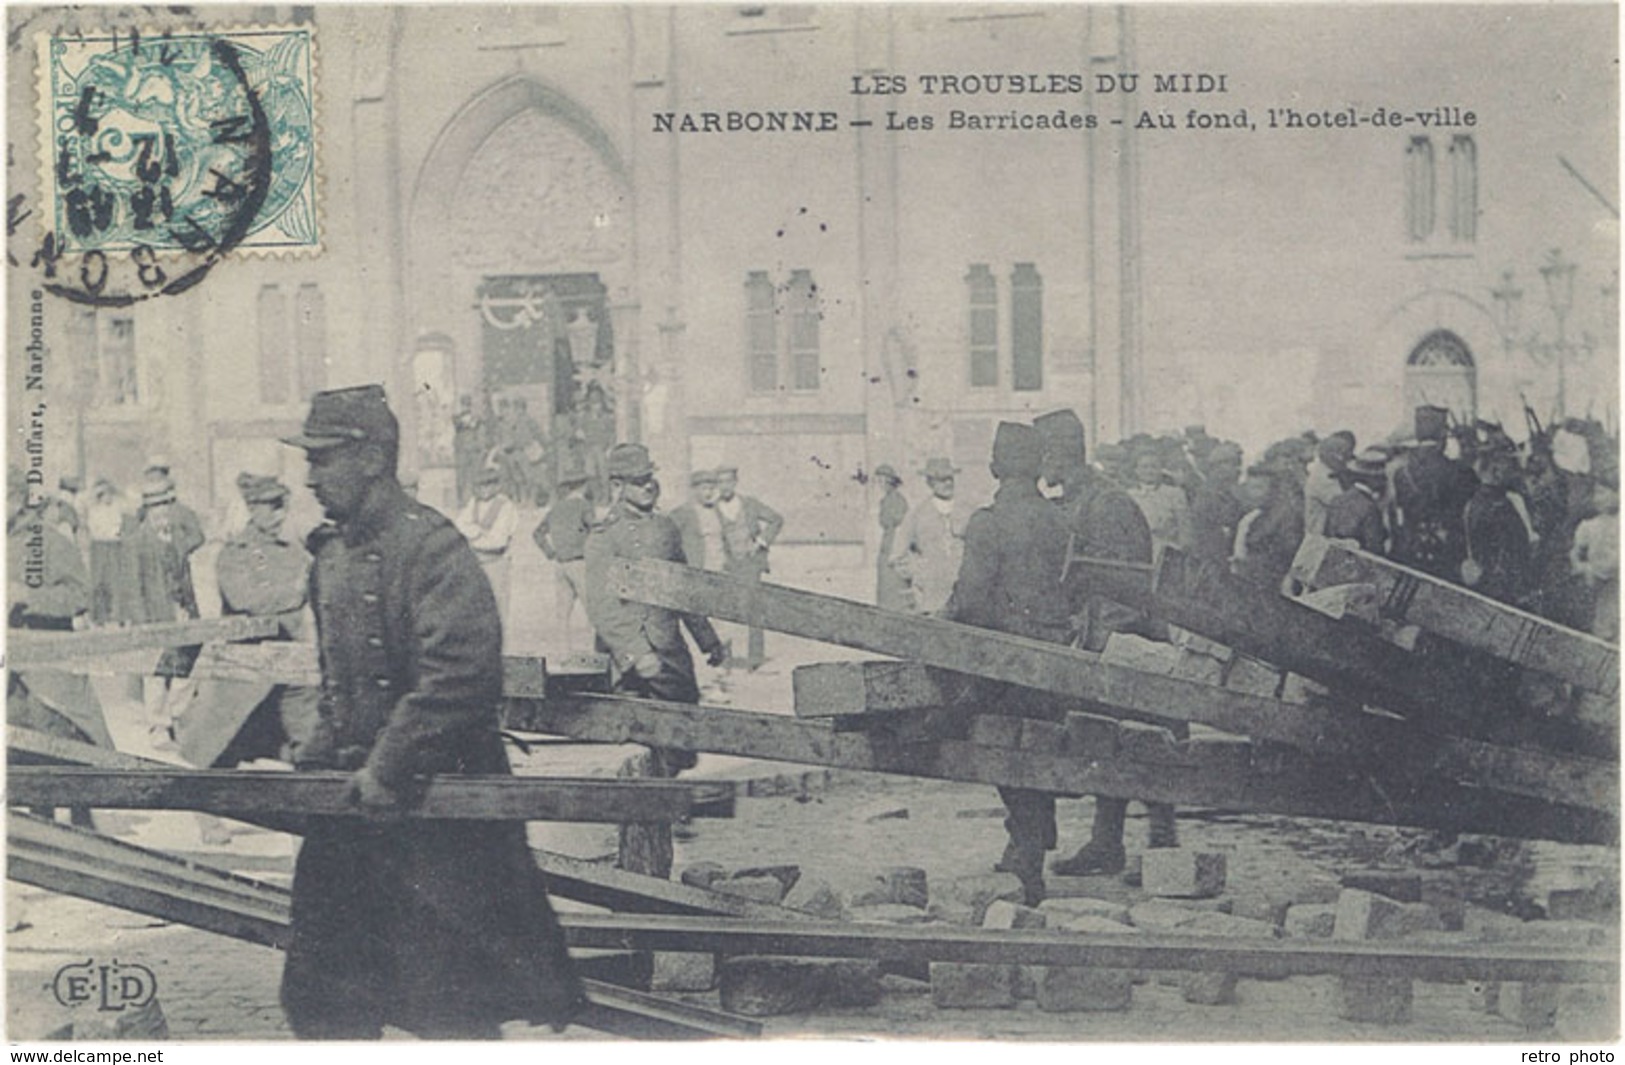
x,y
88,866
1466,617
1100,757
232,792
58,649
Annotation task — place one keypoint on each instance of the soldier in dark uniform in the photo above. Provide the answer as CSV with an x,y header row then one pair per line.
x,y
647,653
1430,492
441,928
1009,581
1499,556
1356,513
1104,524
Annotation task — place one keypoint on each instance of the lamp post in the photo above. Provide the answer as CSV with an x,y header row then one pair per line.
x,y
1558,273
1508,299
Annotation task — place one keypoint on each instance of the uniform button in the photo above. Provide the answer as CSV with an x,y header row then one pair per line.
x,y
369,597
382,682
373,556
375,641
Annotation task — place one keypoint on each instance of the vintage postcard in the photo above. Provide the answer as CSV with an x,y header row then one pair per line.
x,y
1040,522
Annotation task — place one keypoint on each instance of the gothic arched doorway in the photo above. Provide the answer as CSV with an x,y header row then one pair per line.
x,y
1440,371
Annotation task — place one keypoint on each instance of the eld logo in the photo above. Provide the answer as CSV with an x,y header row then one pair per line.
x,y
113,987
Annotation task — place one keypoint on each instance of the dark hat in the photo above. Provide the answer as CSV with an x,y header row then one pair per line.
x,y
939,467
728,468
157,490
699,477
1018,451
488,475
259,489
1336,450
347,416
160,463
573,476
885,472
1431,422
1062,434
70,482
629,460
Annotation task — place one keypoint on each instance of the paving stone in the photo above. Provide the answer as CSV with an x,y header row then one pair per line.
x,y
995,730
1224,924
784,874
1310,921
1048,737
1375,999
1483,995
1252,677
814,896
1073,988
1317,890
1362,915
965,899
1258,906
766,986
1588,1013
1026,982
1090,924
1198,667
1208,989
1083,906
1399,886
759,888
683,971
1443,891
1177,871
1138,741
956,985
1005,915
1532,1005
703,874
906,885
888,913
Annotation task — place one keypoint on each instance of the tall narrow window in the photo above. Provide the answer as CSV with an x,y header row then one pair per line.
x,y
310,338
1463,188
118,360
276,368
983,294
1419,183
761,332
802,304
1026,328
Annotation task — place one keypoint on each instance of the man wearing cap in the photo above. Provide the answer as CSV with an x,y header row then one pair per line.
x,y
1356,512
1499,553
488,522
260,574
749,528
441,928
648,656
698,524
891,591
931,540
1104,525
1009,581
1430,492
562,536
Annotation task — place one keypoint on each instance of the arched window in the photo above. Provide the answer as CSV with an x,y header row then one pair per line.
x,y
1440,371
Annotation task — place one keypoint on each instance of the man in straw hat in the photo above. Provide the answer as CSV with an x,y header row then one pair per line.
x,y
931,540
440,928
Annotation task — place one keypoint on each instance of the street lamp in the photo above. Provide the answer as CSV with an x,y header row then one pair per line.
x,y
1558,273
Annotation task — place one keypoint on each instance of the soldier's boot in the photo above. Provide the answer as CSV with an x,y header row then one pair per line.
x,y
1163,831
1031,826
1103,854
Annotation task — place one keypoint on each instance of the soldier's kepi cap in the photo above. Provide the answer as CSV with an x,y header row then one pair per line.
x,y
256,488
699,477
1062,434
1018,451
348,416
629,460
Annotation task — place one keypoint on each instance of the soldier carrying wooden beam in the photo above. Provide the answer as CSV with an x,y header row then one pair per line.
x,y
1014,551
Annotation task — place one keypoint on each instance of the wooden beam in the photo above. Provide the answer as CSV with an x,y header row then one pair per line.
x,y
984,653
1245,957
45,648
232,792
880,692
162,887
1386,789
1460,614
616,889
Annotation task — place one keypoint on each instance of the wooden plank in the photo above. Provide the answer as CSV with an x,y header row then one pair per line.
x,y
43,648
1460,614
231,792
1387,790
984,653
624,892
137,887
905,689
837,689
1245,957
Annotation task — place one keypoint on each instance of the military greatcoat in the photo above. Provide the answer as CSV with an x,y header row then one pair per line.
x,y
429,926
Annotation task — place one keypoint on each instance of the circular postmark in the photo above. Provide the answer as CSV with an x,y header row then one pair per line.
x,y
162,155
